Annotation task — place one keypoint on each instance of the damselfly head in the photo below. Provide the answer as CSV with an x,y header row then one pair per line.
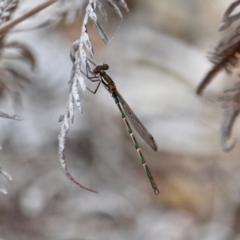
x,y
100,68
105,67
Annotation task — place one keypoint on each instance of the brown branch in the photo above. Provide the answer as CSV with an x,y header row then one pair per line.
x,y
8,25
225,56
209,77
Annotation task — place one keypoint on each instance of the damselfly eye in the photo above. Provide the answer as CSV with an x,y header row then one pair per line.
x,y
97,70
105,67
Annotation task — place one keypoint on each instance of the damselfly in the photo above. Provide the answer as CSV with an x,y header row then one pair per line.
x,y
100,76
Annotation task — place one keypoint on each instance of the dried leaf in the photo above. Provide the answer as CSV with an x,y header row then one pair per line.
x,y
3,190
229,117
5,174
227,19
61,118
101,9
70,110
66,119
82,82
25,52
74,50
14,117
7,7
93,16
225,56
87,43
17,75
67,11
231,109
83,56
11,82
115,8
12,77
123,4
61,149
76,94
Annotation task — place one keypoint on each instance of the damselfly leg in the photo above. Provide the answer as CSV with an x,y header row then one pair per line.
x,y
91,78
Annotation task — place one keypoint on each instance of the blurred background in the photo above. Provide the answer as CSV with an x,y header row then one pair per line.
x,y
157,58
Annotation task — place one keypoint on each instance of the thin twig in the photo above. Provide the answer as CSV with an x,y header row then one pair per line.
x,y
8,25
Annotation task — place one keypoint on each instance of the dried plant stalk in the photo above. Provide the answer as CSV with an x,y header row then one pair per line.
x,y
226,56
7,7
78,56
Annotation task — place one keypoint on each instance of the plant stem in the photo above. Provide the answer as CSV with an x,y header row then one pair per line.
x,y
8,25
